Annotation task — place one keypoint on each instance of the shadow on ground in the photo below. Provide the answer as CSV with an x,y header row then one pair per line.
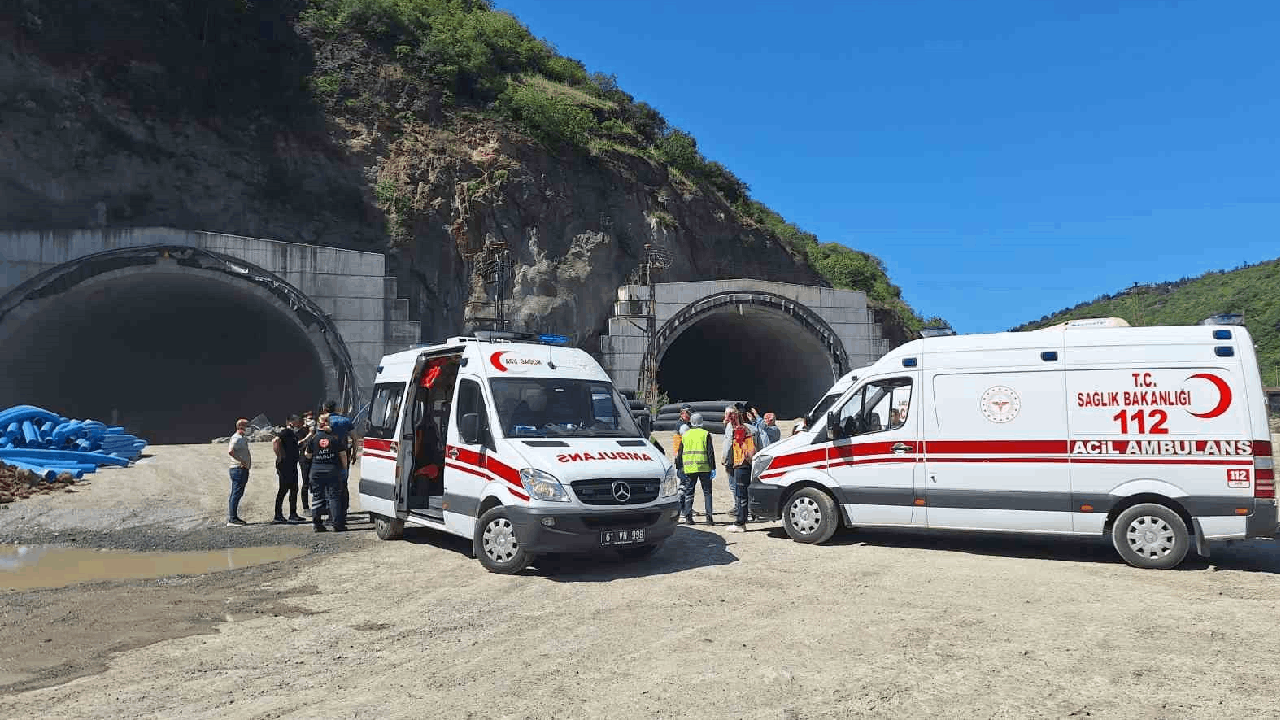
x,y
1250,556
687,549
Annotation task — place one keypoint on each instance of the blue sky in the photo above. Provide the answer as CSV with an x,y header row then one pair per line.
x,y
1004,159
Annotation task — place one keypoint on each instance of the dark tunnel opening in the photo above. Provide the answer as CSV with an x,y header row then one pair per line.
x,y
760,355
173,355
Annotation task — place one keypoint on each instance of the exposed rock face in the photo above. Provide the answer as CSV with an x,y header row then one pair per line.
x,y
79,148
575,225
111,141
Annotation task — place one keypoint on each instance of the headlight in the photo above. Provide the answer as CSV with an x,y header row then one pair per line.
x,y
670,482
759,464
543,485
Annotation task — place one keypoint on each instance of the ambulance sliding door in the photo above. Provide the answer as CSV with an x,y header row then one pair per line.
x,y
996,456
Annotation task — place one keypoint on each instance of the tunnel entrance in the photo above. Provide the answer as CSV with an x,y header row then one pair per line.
x,y
753,352
174,353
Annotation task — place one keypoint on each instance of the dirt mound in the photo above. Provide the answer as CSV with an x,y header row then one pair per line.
x,y
18,484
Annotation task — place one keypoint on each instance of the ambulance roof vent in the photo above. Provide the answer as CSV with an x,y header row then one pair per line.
x,y
1089,323
1223,319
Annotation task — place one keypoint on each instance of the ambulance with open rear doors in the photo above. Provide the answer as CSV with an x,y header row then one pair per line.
x,y
1153,437
520,445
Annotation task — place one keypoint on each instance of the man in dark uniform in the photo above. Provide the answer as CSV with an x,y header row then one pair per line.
x,y
286,450
328,454
307,432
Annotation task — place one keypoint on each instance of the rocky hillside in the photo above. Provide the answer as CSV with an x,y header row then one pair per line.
x,y
427,128
1251,291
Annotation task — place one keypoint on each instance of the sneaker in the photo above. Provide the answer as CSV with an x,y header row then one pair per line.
x,y
236,522
296,519
339,528
736,529
710,521
320,528
278,520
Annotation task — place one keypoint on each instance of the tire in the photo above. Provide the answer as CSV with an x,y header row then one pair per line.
x,y
388,528
666,424
637,405
495,543
637,553
810,516
1151,536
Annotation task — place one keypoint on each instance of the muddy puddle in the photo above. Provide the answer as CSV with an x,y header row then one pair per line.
x,y
29,567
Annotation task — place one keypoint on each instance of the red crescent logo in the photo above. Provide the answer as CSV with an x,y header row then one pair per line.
x,y
1224,395
496,360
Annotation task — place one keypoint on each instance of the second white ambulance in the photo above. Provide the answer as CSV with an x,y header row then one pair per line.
x,y
1154,437
523,447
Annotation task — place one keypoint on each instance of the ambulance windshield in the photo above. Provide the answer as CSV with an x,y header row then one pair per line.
x,y
542,407
819,411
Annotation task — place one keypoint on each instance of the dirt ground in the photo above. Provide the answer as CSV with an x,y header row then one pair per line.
x,y
876,624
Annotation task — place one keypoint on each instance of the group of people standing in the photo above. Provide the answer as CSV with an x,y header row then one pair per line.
x,y
746,431
321,447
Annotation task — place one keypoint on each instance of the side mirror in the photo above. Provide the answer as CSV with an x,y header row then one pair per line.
x,y
645,421
469,428
833,426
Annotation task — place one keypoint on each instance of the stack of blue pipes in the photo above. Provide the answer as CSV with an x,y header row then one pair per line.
x,y
49,444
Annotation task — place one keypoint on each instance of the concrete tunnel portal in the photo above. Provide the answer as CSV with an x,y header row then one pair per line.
x,y
173,343
763,351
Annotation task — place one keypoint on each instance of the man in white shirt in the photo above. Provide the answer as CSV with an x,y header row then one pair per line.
x,y
241,461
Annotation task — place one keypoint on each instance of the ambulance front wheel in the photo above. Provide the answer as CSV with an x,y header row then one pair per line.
x,y
809,516
496,544
1151,536
388,528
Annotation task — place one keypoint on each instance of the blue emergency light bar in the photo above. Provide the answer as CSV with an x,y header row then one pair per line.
x,y
553,339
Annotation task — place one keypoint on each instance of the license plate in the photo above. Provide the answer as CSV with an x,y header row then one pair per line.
x,y
622,537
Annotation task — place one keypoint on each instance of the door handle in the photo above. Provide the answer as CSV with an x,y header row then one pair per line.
x,y
901,447
453,454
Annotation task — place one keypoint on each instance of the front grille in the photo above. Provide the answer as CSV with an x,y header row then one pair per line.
x,y
599,491
620,521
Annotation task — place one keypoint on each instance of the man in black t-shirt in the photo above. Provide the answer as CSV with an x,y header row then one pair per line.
x,y
286,448
328,454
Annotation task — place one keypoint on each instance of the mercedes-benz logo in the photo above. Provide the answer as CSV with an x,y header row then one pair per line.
x,y
621,491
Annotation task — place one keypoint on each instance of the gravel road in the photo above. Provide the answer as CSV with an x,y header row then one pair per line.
x,y
875,624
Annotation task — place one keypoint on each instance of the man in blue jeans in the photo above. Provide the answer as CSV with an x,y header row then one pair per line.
x,y
241,461
343,427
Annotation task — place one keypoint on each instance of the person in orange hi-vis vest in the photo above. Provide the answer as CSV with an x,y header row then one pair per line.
x,y
740,444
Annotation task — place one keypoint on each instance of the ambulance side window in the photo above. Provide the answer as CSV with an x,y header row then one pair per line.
x,y
878,406
471,401
384,411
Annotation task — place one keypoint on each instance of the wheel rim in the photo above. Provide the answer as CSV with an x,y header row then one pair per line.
x,y
500,540
805,515
1151,537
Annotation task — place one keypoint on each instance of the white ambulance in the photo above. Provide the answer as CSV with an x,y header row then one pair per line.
x,y
516,443
1154,437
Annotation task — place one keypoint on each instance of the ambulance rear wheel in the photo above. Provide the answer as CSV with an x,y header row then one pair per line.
x,y
388,528
496,544
809,516
1151,536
